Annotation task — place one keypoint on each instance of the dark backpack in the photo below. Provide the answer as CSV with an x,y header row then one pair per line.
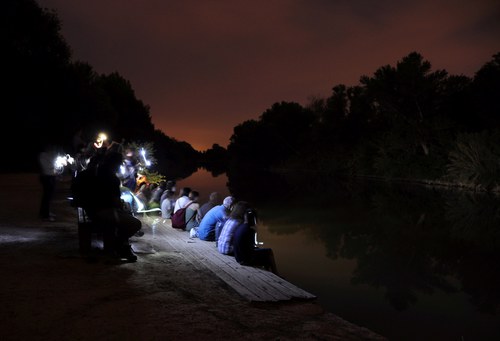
x,y
179,218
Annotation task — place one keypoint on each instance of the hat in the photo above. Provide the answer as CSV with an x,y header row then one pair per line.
x,y
228,202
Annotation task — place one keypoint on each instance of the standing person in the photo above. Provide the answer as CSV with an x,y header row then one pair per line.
x,y
48,178
129,174
244,248
211,224
225,244
106,206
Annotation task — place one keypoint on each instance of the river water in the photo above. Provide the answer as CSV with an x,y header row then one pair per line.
x,y
409,263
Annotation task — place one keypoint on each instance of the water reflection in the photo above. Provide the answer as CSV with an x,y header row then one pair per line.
x,y
405,240
420,247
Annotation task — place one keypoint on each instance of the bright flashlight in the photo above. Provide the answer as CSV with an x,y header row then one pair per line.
x,y
100,140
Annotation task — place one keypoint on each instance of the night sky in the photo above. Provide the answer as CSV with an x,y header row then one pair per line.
x,y
206,66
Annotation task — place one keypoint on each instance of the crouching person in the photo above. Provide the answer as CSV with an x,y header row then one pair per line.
x,y
106,207
244,248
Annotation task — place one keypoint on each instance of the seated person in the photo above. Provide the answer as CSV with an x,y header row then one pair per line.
x,y
211,224
143,193
167,204
156,192
192,211
213,200
244,248
225,243
169,188
183,199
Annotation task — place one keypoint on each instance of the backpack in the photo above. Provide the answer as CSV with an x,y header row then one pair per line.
x,y
179,218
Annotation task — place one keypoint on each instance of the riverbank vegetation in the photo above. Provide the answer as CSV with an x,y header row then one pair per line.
x,y
406,121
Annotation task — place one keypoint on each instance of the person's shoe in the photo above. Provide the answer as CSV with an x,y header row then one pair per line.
x,y
193,233
127,253
139,233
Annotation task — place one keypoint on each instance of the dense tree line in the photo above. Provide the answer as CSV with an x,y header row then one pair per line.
x,y
48,97
405,121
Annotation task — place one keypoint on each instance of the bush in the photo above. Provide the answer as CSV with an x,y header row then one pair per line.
x,y
475,161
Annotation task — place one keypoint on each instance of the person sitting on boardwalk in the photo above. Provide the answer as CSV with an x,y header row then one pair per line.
x,y
106,207
183,199
167,204
169,189
225,243
156,192
244,248
213,200
211,224
192,211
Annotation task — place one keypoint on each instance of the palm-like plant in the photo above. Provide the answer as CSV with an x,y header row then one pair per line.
x,y
475,161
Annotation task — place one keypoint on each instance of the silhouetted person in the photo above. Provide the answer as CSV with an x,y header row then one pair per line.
x,y
244,248
48,177
106,207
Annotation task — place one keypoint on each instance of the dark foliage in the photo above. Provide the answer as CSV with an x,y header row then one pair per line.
x,y
48,97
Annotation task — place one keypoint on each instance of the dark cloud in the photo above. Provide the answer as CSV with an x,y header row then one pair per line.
x,y
205,66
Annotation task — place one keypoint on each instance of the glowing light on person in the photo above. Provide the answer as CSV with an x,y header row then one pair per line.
x,y
146,161
99,142
62,161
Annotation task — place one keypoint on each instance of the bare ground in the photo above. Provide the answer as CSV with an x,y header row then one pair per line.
x,y
49,292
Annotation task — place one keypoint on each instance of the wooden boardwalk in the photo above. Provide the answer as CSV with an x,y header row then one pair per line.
x,y
253,284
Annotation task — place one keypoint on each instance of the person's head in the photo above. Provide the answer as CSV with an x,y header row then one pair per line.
x,y
228,203
141,179
214,197
194,195
239,210
162,185
185,192
101,141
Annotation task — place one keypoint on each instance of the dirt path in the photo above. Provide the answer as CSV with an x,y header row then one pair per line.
x,y
48,292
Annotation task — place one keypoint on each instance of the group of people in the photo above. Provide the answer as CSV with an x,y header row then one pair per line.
x,y
98,190
231,224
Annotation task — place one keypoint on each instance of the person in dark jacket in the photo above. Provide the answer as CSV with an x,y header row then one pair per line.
x,y
244,248
48,180
106,206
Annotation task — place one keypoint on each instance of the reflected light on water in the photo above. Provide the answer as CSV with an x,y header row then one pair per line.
x,y
205,183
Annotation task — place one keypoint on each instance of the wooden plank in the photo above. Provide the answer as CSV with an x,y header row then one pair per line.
x,y
252,283
225,267
264,282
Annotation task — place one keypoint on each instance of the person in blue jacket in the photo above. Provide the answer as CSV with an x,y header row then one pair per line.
x,y
212,222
